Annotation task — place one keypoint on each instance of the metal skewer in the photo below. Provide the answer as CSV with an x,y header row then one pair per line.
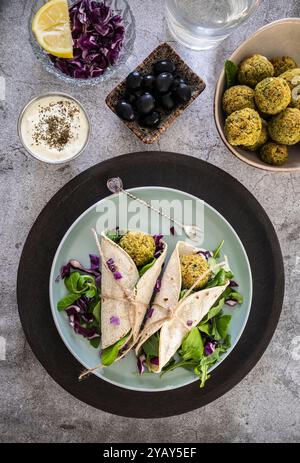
x,y
115,185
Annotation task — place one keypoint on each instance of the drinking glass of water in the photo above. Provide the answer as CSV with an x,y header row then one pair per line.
x,y
203,24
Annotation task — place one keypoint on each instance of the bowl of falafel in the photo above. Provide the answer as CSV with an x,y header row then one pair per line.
x,y
257,98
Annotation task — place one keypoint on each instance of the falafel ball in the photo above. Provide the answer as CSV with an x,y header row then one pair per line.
x,y
192,267
274,153
282,64
272,95
254,69
140,246
263,138
292,77
238,97
285,127
243,127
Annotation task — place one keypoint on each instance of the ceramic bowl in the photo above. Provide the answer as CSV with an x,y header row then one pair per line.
x,y
279,38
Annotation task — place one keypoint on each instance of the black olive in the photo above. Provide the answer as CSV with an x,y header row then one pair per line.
x,y
167,101
177,80
145,104
164,65
163,82
148,82
125,111
150,120
130,97
134,80
183,93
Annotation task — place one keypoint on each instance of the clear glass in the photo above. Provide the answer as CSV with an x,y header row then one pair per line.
x,y
203,24
123,9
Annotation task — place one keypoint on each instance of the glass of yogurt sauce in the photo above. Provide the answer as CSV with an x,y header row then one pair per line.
x,y
54,128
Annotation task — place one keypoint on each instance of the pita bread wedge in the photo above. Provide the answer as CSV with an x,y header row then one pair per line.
x,y
173,317
125,296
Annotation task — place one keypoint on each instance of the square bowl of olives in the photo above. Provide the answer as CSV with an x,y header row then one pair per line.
x,y
155,93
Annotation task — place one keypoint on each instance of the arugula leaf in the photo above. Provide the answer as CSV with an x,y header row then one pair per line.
x,y
229,275
95,342
231,70
213,312
202,368
222,324
189,364
151,346
146,267
182,293
192,346
67,300
205,328
218,280
212,262
109,355
236,296
95,309
114,235
216,252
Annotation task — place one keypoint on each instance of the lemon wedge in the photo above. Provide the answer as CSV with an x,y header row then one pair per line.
x,y
51,27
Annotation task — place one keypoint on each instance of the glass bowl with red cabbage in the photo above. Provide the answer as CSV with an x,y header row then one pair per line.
x,y
103,33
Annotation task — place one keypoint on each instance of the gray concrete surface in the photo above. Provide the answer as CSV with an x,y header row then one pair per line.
x,y
33,408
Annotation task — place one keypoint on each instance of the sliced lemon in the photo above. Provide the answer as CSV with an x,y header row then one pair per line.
x,y
51,26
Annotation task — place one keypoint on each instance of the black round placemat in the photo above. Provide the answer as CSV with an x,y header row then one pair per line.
x,y
186,173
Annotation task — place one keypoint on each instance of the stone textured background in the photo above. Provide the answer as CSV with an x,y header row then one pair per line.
x,y
265,405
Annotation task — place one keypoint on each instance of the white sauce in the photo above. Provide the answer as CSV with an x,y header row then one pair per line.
x,y
33,122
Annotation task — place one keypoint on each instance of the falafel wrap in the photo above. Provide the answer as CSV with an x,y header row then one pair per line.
x,y
191,284
130,267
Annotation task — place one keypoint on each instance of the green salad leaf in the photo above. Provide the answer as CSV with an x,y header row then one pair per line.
x,y
208,361
109,355
67,300
114,235
151,346
95,309
231,70
146,267
192,346
95,342
216,252
182,293
213,312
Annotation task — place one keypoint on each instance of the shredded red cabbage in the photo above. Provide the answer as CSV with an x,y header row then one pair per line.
x,y
231,302
75,322
154,360
157,285
205,254
149,312
114,320
232,284
76,265
209,347
141,363
117,276
189,322
159,245
112,267
98,35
